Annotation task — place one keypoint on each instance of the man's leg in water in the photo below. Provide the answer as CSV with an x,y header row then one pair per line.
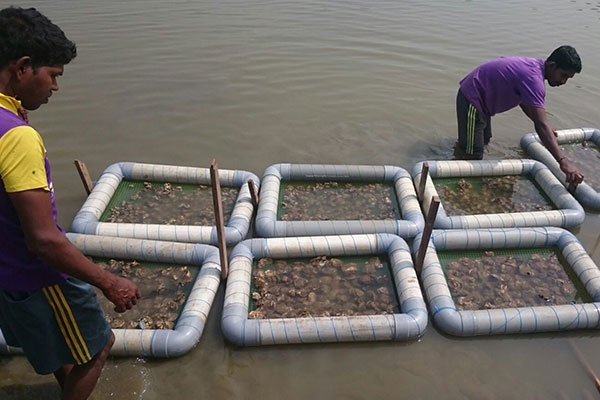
x,y
61,374
81,379
472,127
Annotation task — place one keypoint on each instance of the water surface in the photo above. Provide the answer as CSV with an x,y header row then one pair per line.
x,y
354,82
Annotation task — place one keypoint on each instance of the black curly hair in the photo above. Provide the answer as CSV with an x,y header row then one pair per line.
x,y
566,58
26,32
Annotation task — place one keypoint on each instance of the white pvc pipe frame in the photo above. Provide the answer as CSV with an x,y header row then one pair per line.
x,y
267,224
509,320
241,330
569,213
87,219
191,321
531,143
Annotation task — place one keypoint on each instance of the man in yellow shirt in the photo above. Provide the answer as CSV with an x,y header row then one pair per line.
x,y
47,306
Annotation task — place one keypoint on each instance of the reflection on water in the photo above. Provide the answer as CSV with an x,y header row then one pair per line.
x,y
355,82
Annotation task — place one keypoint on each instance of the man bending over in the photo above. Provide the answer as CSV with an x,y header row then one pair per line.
x,y
504,83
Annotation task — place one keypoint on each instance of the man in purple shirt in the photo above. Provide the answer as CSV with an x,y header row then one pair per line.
x,y
504,83
47,305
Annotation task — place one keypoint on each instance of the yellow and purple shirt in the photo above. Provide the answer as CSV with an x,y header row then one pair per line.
x,y
23,166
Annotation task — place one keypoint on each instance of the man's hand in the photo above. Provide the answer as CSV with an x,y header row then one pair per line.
x,y
121,292
573,174
547,135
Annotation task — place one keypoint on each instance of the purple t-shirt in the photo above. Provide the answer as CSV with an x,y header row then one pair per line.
x,y
501,84
20,269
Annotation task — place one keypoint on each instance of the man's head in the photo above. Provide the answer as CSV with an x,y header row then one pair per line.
x,y
33,52
562,64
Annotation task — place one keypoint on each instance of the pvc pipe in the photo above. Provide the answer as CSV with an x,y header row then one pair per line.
x,y
569,212
531,143
87,219
509,320
267,224
239,329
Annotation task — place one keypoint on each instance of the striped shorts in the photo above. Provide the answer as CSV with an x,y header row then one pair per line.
x,y
57,325
474,128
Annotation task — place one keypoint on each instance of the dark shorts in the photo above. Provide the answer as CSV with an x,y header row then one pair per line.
x,y
57,325
474,129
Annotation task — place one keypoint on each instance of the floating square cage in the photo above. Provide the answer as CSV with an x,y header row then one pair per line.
x,y
463,183
582,147
122,183
245,327
204,265
366,192
523,279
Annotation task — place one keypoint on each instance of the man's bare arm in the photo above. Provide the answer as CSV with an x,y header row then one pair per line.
x,y
47,242
548,138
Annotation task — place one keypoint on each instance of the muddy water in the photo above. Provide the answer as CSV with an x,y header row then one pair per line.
x,y
255,83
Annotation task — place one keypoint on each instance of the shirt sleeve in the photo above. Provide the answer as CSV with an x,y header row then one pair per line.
x,y
22,160
533,92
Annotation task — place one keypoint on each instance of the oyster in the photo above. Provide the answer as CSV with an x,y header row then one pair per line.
x,y
324,201
500,281
163,291
322,287
498,194
163,203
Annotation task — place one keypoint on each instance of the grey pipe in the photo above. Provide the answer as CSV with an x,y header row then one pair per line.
x,y
267,224
531,143
569,213
508,320
87,219
241,330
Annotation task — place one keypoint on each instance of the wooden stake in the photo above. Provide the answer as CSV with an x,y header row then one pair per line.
x,y
253,193
84,175
595,246
431,214
218,206
424,173
585,365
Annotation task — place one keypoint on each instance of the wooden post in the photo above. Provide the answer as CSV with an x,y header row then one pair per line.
x,y
595,246
585,365
84,175
218,206
253,193
424,173
431,214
